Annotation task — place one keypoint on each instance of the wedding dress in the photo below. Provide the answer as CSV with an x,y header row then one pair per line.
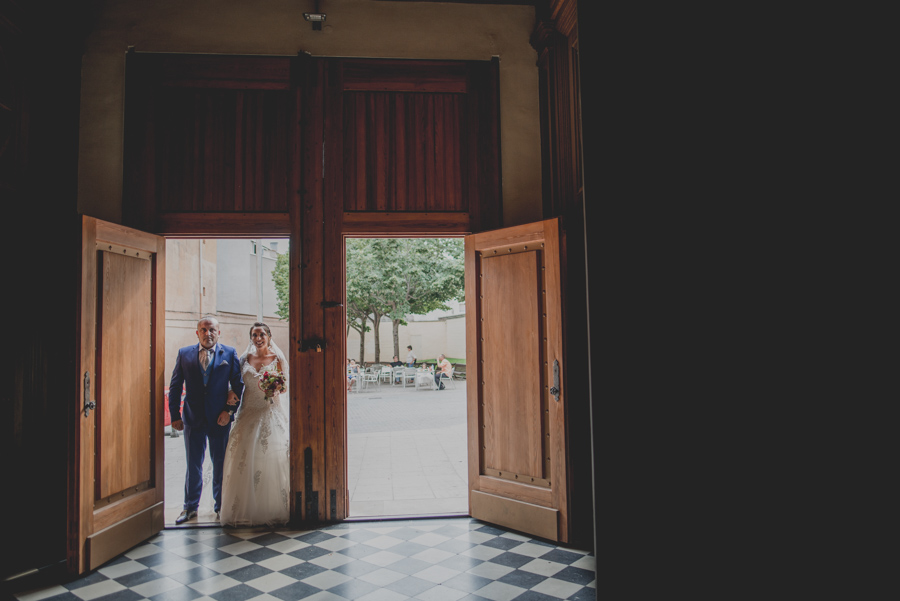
x,y
256,476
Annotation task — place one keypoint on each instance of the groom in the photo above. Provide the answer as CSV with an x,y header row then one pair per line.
x,y
205,370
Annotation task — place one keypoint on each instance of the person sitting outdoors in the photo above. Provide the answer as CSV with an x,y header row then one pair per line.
x,y
352,373
396,363
443,367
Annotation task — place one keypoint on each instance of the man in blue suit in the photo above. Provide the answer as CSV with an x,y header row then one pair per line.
x,y
207,371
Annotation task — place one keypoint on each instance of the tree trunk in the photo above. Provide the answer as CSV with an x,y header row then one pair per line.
x,y
396,327
377,322
362,342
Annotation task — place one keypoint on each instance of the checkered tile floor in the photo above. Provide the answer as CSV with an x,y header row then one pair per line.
x,y
432,560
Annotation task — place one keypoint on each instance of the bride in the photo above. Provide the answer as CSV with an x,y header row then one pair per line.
x,y
256,477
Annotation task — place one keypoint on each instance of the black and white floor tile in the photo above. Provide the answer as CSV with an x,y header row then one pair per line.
x,y
450,559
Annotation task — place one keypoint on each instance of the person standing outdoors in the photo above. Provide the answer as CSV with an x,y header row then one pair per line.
x,y
210,374
410,357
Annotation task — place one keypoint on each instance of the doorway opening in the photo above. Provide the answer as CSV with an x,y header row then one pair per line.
x,y
406,423
239,282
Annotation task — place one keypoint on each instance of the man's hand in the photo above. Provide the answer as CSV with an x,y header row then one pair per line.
x,y
232,398
224,418
178,425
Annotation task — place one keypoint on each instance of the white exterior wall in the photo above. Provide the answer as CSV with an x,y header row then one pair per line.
x,y
238,286
428,339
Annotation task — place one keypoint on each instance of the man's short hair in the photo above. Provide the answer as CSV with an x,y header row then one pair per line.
x,y
207,318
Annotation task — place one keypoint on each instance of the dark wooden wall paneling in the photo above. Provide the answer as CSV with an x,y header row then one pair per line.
x,y
403,152
560,131
483,161
226,150
206,135
419,137
556,40
40,70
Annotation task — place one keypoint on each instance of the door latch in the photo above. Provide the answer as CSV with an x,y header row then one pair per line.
x,y
88,403
312,344
555,390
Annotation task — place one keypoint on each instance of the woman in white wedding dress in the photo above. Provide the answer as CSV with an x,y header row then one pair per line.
x,y
256,477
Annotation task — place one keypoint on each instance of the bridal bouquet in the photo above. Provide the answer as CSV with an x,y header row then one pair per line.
x,y
271,382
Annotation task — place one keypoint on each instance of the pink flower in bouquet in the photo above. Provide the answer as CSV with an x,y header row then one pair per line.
x,y
271,383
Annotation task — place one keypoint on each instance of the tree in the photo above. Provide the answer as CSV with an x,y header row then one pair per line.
x,y
371,270
397,277
356,319
392,277
281,277
436,276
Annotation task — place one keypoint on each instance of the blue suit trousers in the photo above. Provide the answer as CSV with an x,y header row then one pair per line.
x,y
195,441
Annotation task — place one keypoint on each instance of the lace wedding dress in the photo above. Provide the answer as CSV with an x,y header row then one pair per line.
x,y
256,476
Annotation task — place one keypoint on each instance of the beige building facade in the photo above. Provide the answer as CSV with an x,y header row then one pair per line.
x,y
206,277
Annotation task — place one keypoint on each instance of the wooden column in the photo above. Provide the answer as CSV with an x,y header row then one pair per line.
x,y
307,224
335,410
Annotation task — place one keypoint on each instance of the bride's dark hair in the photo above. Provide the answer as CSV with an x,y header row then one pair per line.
x,y
260,324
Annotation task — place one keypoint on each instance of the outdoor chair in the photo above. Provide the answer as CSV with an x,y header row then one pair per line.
x,y
397,377
409,375
369,377
385,374
448,381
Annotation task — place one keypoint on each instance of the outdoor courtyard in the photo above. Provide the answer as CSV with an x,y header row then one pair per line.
x,y
406,455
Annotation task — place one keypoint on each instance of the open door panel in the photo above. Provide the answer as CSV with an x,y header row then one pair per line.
x,y
116,473
516,410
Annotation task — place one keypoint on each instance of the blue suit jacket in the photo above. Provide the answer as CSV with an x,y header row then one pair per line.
x,y
203,404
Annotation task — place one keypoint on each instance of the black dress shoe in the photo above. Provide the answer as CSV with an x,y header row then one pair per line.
x,y
187,514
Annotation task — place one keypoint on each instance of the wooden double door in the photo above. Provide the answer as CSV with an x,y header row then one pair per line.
x,y
518,469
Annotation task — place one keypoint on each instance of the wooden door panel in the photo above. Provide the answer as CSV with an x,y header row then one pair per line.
x,y
512,374
124,402
116,489
517,445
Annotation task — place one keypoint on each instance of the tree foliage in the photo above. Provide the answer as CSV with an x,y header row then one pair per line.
x,y
281,277
392,277
396,277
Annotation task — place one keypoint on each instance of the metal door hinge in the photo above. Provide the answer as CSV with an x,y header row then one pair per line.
x,y
88,403
555,390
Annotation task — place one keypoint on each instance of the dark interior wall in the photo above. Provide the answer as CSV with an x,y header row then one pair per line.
x,y
40,69
556,40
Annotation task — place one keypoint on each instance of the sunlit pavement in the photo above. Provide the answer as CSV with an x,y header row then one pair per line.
x,y
406,455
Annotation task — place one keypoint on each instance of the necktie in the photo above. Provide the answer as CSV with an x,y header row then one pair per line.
x,y
204,358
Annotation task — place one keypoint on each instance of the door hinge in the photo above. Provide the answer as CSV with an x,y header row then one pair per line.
x,y
88,403
555,390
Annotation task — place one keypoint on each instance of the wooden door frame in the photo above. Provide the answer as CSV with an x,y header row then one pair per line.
x,y
316,224
379,225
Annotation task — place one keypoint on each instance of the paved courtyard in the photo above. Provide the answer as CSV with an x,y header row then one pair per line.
x,y
406,456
